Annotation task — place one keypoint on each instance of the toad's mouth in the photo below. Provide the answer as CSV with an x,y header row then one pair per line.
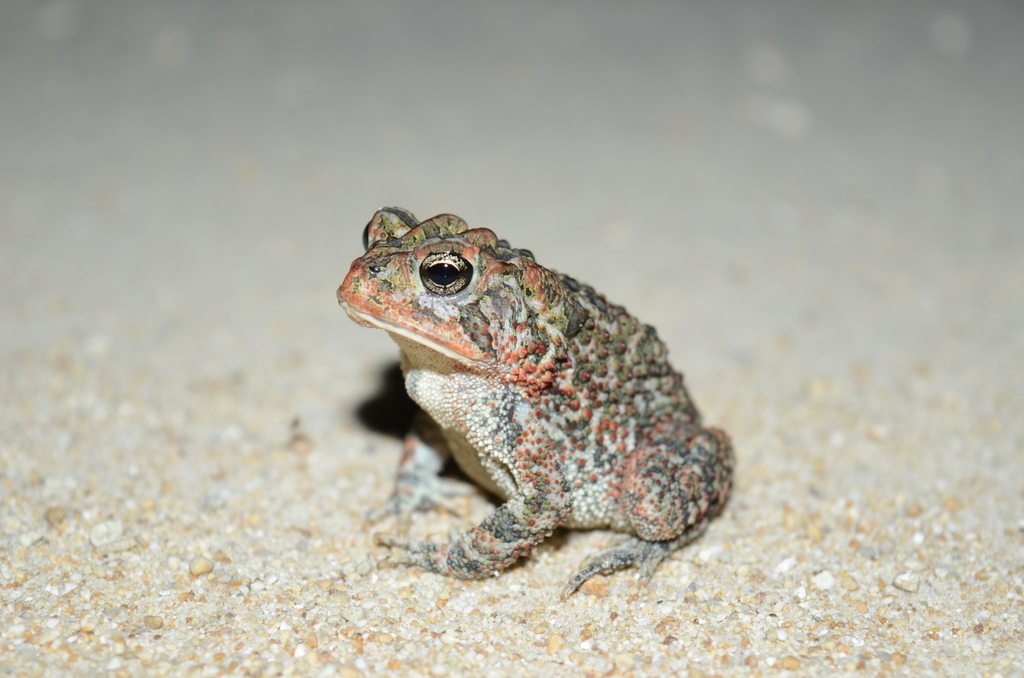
x,y
475,359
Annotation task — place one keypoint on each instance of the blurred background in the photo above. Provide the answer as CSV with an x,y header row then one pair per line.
x,y
821,177
741,174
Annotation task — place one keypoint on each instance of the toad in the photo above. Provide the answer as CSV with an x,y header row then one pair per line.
x,y
545,393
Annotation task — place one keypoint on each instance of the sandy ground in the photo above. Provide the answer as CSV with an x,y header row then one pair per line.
x,y
817,204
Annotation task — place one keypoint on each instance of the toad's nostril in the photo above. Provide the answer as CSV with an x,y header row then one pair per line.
x,y
374,269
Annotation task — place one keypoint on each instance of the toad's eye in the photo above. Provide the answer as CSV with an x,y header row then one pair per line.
x,y
366,237
445,273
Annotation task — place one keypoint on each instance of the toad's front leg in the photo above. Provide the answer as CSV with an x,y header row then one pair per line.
x,y
512,531
418,483
503,430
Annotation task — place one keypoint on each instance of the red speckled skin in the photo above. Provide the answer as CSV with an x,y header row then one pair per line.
x,y
547,394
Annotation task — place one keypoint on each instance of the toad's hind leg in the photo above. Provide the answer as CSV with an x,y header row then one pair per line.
x,y
667,494
669,488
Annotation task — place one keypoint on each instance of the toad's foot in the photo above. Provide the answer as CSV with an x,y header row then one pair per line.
x,y
646,555
490,547
448,559
414,493
419,488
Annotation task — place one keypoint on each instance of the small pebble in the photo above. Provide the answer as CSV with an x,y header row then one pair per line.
x,y
785,565
823,580
554,643
624,662
55,515
47,637
815,533
351,613
300,444
877,433
26,539
907,581
106,532
596,586
153,621
200,566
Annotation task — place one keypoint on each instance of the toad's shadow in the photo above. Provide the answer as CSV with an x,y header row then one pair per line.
x,y
389,410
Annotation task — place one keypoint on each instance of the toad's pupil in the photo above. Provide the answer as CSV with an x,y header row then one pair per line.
x,y
443,274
